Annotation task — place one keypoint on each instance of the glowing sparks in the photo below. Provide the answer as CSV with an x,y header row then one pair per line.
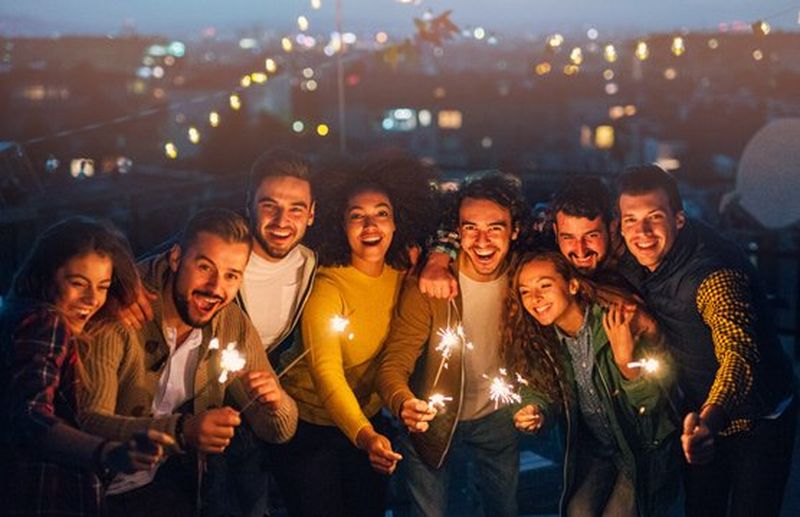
x,y
504,391
438,401
649,365
339,323
231,361
449,339
213,344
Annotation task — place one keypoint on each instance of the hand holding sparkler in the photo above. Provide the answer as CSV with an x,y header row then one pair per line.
x,y
617,324
416,414
529,419
263,386
210,431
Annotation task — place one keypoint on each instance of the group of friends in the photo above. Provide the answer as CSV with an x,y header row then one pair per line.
x,y
392,310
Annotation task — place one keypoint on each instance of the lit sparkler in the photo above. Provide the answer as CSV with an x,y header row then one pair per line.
x,y
503,391
338,324
449,339
231,361
649,365
438,402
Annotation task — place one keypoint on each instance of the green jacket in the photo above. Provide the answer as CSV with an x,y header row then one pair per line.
x,y
640,414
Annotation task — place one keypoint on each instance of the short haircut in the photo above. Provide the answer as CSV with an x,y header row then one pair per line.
x,y
276,163
502,188
225,224
584,196
642,179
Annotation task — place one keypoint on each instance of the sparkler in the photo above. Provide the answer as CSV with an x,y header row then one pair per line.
x,y
231,361
503,391
648,364
338,324
438,402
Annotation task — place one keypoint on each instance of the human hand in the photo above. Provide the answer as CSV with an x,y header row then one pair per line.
x,y
142,452
210,431
264,387
697,440
436,280
529,419
379,449
140,311
617,324
416,414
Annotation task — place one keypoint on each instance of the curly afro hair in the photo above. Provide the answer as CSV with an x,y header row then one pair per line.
x,y
407,182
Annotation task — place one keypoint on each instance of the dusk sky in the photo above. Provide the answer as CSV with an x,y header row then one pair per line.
x,y
188,17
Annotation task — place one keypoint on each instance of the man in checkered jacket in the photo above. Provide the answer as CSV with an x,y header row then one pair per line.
x,y
737,383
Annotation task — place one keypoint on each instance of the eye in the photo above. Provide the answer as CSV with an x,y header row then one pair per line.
x,y
233,277
355,216
204,267
546,285
384,213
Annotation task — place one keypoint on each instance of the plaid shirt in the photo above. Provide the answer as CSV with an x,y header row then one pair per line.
x,y
724,303
38,392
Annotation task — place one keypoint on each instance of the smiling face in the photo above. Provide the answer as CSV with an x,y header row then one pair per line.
x,y
207,276
369,227
282,211
649,226
547,295
486,232
82,285
585,242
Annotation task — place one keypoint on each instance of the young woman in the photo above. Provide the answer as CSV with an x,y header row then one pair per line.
x,y
603,368
374,216
76,270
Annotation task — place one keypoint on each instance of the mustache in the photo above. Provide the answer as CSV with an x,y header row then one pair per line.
x,y
588,254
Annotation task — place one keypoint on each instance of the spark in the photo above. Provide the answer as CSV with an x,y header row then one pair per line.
x,y
649,365
438,401
339,323
502,392
231,361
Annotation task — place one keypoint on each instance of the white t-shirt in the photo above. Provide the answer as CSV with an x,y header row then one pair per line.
x,y
482,304
271,291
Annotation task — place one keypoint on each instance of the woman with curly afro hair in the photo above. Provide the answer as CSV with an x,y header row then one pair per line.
x,y
372,218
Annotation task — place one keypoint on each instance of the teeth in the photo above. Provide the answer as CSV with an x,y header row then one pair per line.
x,y
371,240
484,254
280,235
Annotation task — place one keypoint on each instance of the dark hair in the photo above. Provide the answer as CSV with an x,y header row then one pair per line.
x,y
529,347
584,196
74,237
223,223
404,179
505,190
276,163
647,178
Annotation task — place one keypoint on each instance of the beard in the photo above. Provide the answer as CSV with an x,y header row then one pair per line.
x,y
182,306
276,253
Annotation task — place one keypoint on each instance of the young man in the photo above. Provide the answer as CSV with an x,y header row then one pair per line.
x,y
585,232
167,374
491,212
737,381
278,277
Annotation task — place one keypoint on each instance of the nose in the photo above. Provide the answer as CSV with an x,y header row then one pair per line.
x,y
280,216
580,247
482,237
369,221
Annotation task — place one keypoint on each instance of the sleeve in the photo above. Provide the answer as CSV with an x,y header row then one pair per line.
x,y
109,362
651,388
724,302
272,426
408,334
445,241
41,347
325,359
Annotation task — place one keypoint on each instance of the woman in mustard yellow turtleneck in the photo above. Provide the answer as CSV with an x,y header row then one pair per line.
x,y
339,459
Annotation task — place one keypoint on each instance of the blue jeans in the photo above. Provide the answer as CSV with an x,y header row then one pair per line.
x,y
492,443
